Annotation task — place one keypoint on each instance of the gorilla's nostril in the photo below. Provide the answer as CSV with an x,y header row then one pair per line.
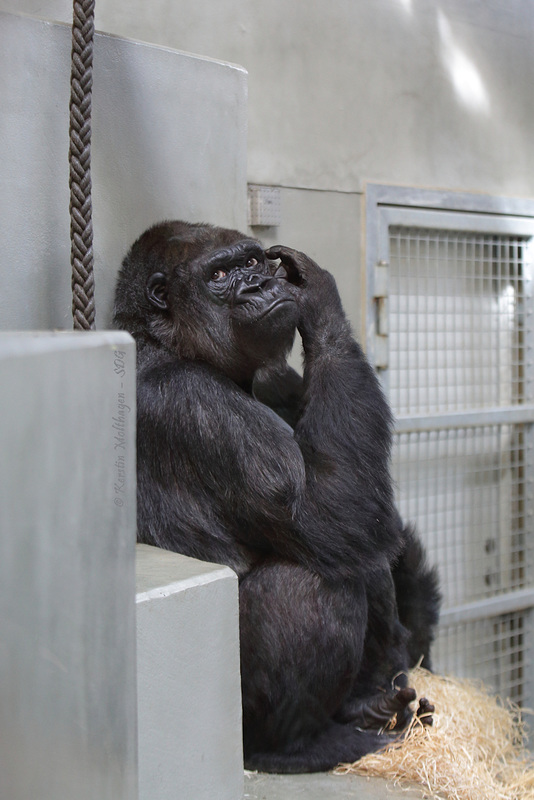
x,y
248,288
251,284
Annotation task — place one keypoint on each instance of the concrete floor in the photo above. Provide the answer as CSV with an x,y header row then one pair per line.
x,y
323,786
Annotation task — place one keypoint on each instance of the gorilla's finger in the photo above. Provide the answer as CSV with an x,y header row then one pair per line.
x,y
290,260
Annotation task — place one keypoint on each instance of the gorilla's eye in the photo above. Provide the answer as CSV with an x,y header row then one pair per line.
x,y
252,262
218,275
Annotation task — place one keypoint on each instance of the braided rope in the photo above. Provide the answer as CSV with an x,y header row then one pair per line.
x,y
81,225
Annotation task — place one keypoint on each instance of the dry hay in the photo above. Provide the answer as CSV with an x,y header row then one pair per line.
x,y
473,751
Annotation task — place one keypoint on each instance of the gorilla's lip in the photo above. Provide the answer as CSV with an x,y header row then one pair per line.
x,y
278,302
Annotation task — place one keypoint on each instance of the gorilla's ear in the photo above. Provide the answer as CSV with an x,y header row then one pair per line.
x,y
156,291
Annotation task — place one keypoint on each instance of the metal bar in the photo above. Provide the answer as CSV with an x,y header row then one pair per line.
x,y
489,607
500,415
457,221
381,194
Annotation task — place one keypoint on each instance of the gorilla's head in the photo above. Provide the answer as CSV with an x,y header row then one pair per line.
x,y
207,294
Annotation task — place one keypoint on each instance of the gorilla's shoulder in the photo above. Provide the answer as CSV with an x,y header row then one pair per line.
x,y
173,370
179,381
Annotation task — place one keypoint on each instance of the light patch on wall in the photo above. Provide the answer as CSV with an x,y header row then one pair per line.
x,y
407,5
465,76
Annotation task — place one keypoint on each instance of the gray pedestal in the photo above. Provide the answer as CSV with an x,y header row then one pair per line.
x,y
189,694
67,541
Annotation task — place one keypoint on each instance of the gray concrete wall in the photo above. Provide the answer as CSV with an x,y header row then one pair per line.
x,y
430,93
433,94
169,141
67,540
190,741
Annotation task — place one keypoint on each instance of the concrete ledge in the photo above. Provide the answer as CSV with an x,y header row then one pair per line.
x,y
67,546
189,693
325,786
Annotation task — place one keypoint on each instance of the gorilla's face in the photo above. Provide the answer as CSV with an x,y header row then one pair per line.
x,y
241,278
253,303
213,295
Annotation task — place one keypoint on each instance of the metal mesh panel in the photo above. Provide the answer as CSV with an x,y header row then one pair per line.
x,y
493,650
466,489
460,339
456,321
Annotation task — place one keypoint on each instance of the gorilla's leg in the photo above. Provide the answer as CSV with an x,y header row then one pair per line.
x,y
334,744
301,646
381,696
418,597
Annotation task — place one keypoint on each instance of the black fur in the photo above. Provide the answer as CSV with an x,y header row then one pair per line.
x,y
284,479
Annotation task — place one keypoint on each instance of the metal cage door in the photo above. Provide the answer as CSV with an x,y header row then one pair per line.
x,y
451,329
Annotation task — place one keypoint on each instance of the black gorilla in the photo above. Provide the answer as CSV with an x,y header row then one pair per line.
x,y
286,480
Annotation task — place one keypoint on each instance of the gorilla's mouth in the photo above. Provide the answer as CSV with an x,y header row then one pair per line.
x,y
275,304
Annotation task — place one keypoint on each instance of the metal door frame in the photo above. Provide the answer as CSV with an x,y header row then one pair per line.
x,y
387,206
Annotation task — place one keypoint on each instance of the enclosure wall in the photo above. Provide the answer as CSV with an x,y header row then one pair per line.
x,y
434,93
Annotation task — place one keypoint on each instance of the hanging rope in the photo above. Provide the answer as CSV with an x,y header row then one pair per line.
x,y
81,224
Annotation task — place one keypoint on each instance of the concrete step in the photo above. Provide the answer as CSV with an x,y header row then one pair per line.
x,y
189,693
321,786
67,541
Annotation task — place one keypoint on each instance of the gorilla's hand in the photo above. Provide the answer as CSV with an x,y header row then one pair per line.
x,y
299,268
315,288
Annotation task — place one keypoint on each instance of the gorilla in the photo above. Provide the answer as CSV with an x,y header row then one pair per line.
x,y
283,478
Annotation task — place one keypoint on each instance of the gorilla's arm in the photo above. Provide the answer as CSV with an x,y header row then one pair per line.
x,y
280,388
344,430
227,485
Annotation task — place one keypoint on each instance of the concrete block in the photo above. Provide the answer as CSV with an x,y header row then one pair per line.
x,y
169,142
326,786
67,543
189,694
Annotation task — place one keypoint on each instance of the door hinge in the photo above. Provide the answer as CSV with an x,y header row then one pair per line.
x,y
381,308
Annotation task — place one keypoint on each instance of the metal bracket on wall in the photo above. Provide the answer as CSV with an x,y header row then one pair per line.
x,y
264,206
380,298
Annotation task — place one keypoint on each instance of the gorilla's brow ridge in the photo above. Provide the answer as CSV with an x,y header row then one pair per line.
x,y
233,251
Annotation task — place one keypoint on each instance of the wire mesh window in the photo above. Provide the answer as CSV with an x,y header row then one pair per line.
x,y
493,649
461,339
457,320
466,489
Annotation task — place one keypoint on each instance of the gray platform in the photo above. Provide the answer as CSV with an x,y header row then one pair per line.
x,y
189,693
322,786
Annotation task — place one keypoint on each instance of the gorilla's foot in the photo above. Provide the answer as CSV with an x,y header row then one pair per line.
x,y
425,711
386,710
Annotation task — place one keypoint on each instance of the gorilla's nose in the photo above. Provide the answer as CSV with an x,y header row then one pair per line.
x,y
252,284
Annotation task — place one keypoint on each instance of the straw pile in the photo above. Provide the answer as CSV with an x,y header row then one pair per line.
x,y
474,751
